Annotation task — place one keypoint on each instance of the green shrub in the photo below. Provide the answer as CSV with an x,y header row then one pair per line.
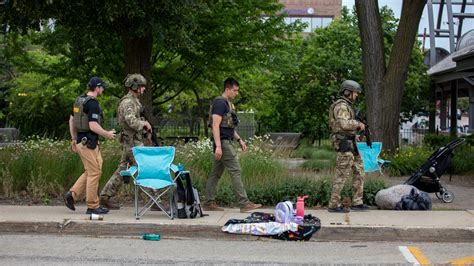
x,y
409,159
470,140
44,169
434,141
311,152
318,165
463,160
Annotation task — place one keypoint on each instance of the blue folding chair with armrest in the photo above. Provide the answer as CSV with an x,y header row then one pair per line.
x,y
153,171
370,156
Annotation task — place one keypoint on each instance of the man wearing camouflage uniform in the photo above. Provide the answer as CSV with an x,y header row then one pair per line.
x,y
344,128
134,133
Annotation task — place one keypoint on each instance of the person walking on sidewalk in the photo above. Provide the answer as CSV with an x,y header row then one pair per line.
x,y
223,120
85,126
344,128
135,132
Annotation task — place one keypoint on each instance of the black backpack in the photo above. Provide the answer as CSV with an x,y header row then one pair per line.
x,y
186,198
415,201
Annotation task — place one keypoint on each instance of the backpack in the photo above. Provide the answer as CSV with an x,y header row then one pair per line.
x,y
415,201
186,199
284,212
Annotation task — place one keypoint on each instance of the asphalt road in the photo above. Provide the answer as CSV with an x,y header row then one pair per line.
x,y
78,250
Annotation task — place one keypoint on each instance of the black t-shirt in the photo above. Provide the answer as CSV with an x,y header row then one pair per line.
x,y
221,107
93,111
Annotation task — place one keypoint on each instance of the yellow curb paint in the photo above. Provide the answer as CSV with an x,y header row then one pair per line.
x,y
419,255
463,261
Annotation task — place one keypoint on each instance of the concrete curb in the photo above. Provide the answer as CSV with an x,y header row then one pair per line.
x,y
327,233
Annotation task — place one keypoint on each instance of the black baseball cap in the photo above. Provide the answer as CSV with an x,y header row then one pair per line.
x,y
96,81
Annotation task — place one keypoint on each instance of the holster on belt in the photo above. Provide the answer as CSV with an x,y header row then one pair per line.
x,y
346,143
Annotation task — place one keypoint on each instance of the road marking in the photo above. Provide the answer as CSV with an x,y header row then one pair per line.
x,y
419,255
414,255
462,261
408,256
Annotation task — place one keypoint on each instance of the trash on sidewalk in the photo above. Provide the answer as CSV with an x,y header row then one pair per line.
x,y
94,216
284,225
151,237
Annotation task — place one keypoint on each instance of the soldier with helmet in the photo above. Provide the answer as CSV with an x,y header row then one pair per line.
x,y
134,133
344,129
85,126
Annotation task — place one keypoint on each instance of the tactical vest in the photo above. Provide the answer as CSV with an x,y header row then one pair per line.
x,y
126,129
332,118
229,120
81,120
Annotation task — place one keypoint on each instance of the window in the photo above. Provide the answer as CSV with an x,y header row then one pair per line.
x,y
312,23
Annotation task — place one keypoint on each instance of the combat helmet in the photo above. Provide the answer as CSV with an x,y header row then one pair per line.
x,y
350,85
135,81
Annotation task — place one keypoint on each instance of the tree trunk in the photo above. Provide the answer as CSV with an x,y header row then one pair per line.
x,y
373,62
138,60
202,113
388,82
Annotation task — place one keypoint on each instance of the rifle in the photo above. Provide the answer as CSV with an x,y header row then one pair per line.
x,y
154,139
366,132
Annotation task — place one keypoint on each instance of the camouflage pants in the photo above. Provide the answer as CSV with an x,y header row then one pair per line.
x,y
230,161
116,180
346,165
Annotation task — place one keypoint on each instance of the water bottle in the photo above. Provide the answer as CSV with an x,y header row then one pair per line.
x,y
300,206
152,237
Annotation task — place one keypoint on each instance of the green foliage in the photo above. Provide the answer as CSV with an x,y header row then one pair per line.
x,y
434,141
327,57
43,169
265,179
408,160
317,158
195,45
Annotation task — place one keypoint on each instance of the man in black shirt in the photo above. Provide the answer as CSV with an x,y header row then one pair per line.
x,y
85,128
223,120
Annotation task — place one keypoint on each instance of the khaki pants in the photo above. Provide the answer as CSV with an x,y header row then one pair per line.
x,y
230,161
89,180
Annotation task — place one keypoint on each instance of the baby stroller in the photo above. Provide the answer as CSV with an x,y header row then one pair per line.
x,y
427,177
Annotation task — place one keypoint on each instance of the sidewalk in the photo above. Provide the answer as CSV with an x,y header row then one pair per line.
x,y
373,225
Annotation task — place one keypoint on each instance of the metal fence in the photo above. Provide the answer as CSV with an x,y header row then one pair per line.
x,y
184,127
247,128
413,137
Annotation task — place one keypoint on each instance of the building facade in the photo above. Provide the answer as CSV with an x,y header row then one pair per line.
x,y
316,13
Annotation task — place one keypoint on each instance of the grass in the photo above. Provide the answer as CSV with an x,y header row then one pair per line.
x,y
43,169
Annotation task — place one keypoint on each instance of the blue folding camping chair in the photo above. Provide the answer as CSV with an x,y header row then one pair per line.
x,y
153,171
370,156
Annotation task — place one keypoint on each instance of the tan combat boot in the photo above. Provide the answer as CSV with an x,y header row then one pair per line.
x,y
249,206
212,206
109,203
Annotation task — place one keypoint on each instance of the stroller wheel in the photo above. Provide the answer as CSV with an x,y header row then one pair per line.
x,y
439,195
448,196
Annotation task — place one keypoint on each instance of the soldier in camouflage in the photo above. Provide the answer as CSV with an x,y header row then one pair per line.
x,y
135,130
344,129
